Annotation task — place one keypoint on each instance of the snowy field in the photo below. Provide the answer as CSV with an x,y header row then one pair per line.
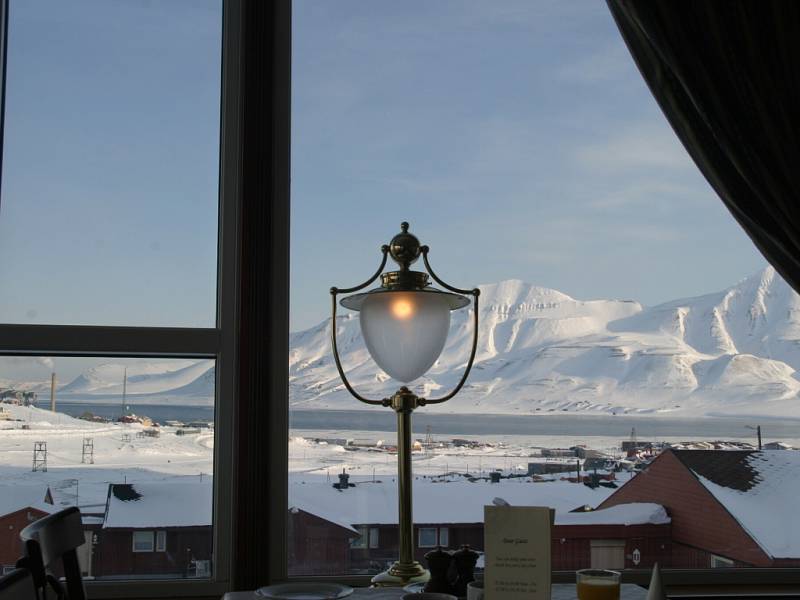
x,y
315,457
138,459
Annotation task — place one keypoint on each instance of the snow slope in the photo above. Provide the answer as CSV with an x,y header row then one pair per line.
x,y
173,377
735,352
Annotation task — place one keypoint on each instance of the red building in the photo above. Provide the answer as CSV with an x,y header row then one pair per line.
x,y
728,507
317,546
155,529
355,528
19,507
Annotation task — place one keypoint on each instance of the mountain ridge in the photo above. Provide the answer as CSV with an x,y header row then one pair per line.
x,y
732,352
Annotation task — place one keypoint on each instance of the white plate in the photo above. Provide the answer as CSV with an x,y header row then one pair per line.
x,y
305,591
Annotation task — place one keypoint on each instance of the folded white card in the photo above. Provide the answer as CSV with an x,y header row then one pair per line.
x,y
517,547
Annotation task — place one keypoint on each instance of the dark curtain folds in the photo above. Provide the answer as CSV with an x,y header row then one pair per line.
x,y
727,77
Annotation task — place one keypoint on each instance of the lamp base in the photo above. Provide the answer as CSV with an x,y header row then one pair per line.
x,y
400,575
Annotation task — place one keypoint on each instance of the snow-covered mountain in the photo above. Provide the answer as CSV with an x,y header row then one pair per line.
x,y
184,378
735,352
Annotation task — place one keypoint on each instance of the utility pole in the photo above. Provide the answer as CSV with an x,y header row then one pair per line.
x,y
124,389
52,392
757,429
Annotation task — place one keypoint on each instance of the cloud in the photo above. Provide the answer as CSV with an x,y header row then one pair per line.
x,y
650,193
612,63
28,362
635,148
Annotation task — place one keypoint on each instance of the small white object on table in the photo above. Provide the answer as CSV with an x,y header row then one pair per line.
x,y
559,591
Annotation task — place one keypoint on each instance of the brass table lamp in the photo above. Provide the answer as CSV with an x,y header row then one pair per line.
x,y
405,323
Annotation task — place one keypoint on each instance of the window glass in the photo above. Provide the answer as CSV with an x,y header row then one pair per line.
x,y
373,537
361,540
108,206
129,441
161,541
427,537
634,348
720,562
142,541
444,537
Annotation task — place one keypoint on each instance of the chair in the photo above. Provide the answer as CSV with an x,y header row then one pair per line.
x,y
17,585
50,541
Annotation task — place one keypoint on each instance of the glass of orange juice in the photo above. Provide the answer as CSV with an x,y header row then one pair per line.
x,y
597,584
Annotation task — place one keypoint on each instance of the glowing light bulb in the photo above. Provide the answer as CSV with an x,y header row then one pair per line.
x,y
402,308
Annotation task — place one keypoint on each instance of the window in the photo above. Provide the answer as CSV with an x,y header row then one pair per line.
x,y
720,562
603,307
362,539
136,269
202,568
427,537
444,537
373,537
607,554
142,541
161,541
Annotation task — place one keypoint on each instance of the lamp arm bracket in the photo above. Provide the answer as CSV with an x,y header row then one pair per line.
x,y
350,290
334,292
475,294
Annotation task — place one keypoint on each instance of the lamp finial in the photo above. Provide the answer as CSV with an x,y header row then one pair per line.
x,y
404,247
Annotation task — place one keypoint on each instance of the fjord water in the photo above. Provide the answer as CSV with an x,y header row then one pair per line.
x,y
647,427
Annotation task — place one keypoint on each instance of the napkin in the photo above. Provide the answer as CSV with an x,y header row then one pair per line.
x,y
656,589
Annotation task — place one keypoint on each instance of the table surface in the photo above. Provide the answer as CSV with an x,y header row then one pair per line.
x,y
559,591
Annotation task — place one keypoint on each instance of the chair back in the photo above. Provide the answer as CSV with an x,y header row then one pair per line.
x,y
51,542
17,585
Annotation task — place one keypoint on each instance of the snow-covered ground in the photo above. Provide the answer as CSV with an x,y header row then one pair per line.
x,y
316,458
140,459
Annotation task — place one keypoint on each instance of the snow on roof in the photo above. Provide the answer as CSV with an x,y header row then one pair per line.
x,y
436,503
159,504
17,497
635,513
760,490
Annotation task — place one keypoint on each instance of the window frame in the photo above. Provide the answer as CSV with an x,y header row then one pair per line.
x,y
219,342
435,537
444,537
374,537
690,581
161,540
362,541
151,540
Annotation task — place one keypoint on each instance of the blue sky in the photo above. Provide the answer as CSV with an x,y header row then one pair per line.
x,y
108,212
517,137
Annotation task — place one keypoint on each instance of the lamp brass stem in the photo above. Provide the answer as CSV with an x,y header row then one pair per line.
x,y
406,570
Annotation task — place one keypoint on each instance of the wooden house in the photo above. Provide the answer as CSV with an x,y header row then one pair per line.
x,y
727,506
158,528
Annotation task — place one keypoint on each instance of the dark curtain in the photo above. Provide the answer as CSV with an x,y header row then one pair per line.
x,y
726,76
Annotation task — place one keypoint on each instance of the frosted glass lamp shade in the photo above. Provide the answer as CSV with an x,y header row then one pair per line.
x,y
405,331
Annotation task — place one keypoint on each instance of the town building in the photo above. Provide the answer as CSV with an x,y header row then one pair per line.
x,y
159,528
19,506
354,528
723,505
